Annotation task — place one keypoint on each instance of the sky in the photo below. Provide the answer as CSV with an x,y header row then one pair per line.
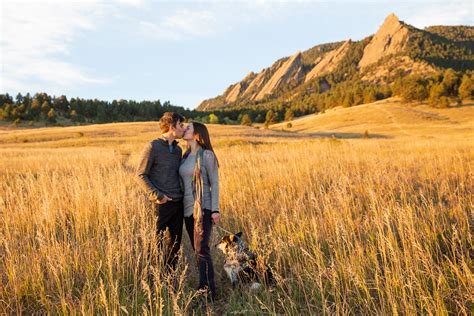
x,y
181,51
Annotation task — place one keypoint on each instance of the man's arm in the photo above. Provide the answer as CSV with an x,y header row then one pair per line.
x,y
142,174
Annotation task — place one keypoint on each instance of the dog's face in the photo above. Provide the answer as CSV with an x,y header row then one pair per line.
x,y
230,243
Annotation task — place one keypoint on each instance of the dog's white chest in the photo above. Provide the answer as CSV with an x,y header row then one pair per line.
x,y
232,268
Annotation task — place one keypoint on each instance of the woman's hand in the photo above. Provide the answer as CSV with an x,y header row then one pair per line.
x,y
215,218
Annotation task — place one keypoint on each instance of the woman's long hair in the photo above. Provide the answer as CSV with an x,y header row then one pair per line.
x,y
201,136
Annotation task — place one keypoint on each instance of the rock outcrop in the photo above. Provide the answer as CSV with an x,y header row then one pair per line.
x,y
390,38
285,73
329,61
256,84
234,93
401,64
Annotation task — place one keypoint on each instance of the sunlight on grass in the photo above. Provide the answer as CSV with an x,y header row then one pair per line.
x,y
348,226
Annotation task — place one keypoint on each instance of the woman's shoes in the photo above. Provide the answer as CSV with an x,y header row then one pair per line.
x,y
211,296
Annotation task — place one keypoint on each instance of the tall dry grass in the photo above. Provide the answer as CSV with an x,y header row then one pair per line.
x,y
349,227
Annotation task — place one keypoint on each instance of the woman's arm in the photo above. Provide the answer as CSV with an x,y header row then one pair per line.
x,y
213,175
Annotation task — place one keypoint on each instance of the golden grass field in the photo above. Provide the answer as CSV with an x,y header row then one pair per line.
x,y
350,225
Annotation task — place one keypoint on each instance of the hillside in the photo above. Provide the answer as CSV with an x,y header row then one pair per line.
x,y
396,49
387,119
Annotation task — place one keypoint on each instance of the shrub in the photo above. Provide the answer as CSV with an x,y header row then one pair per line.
x,y
444,102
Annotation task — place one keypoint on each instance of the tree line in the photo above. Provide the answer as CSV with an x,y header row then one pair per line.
x,y
42,107
60,110
440,90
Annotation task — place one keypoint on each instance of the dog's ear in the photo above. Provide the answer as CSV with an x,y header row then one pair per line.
x,y
239,234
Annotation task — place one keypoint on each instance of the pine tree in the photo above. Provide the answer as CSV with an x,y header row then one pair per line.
x,y
19,98
74,116
270,118
436,92
413,89
348,100
213,119
451,81
289,114
7,108
466,89
45,107
52,115
444,102
370,95
246,120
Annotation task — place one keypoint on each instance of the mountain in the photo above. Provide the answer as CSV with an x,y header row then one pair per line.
x,y
255,86
328,62
390,39
396,49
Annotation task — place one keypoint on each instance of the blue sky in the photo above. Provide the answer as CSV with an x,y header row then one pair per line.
x,y
181,51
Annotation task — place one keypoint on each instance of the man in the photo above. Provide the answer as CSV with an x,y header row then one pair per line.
x,y
158,175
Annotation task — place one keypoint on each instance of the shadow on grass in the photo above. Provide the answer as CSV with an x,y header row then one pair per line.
x,y
339,135
348,135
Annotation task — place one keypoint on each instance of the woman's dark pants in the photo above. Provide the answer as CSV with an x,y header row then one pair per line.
x,y
202,251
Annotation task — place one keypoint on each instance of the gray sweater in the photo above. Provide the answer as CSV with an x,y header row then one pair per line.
x,y
157,172
210,178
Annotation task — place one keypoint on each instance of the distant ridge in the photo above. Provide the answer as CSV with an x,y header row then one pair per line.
x,y
396,48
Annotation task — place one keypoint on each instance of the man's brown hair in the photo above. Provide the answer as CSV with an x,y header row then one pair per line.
x,y
170,119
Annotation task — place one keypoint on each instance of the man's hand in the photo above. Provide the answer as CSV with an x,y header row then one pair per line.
x,y
215,217
164,200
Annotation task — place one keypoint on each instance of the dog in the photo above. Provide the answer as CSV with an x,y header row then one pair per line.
x,y
241,263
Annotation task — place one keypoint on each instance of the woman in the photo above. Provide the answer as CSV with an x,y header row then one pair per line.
x,y
199,173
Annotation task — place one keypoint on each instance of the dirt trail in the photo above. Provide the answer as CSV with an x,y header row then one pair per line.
x,y
394,120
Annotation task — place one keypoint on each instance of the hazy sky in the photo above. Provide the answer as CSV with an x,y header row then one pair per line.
x,y
182,51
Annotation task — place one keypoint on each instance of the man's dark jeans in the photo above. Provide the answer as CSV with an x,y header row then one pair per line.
x,y
169,222
203,252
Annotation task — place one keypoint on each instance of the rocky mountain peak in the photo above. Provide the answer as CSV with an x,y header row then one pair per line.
x,y
389,39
